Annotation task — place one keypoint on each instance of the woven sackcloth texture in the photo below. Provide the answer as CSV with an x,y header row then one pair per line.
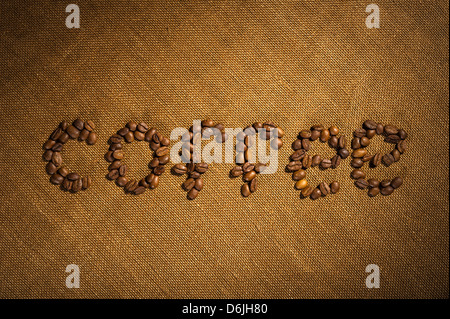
x,y
296,63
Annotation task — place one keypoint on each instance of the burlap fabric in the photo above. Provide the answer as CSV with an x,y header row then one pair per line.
x,y
168,63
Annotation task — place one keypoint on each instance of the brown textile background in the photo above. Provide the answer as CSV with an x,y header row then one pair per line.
x,y
168,63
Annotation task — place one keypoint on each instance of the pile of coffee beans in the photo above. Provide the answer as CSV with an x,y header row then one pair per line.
x,y
361,139
61,175
300,161
133,131
245,140
194,168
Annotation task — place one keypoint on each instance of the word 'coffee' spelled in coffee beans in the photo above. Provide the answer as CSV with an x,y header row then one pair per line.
x,y
61,175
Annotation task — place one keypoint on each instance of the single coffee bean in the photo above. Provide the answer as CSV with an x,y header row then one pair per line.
x,y
305,134
357,174
374,191
370,125
335,161
92,138
298,175
248,155
361,183
401,146
56,179
385,183
57,158
122,170
89,125
51,168
249,176
306,161
359,132
397,182
77,186
402,134
333,142
365,141
315,134
360,152
367,158
116,146
276,143
83,135
115,138
56,134
114,165
306,144
154,182
86,180
188,184
294,166
342,142
324,188
57,147
121,181
113,174
386,191
247,167
297,144
67,185
298,155
79,124
236,171
192,194
165,141
326,163
259,167
390,130
163,160
63,138
142,127
194,175
49,144
139,189
388,159
142,182
131,125
257,125
179,169
63,125
334,187
357,163
307,191
356,143
139,136
201,167
373,182
208,123
73,132
317,127
253,185
245,190
164,150
129,137
392,139
371,133
324,135
379,129
159,170
316,159
249,141
334,130
396,155
131,185
376,160
316,193
63,171
343,153
149,135
119,154
47,156
301,184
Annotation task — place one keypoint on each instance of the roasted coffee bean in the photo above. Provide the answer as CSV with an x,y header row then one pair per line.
x,y
92,138
297,145
333,142
390,130
370,125
192,194
359,132
306,144
73,132
83,135
57,159
51,168
385,183
279,132
402,134
306,161
334,130
276,143
47,156
188,184
89,125
57,147
196,139
63,171
56,179
208,123
326,163
248,155
373,182
119,154
114,165
386,191
129,137
253,185
245,190
361,183
314,135
165,141
63,125
121,181
324,135
343,153
365,141
198,184
259,167
269,124
396,155
201,167
379,129
334,187
49,144
67,185
371,133
324,188
56,134
397,182
194,175
249,176
257,125
114,139
164,150
132,125
316,159
63,138
388,159
77,186
301,184
298,175
79,124
294,166
305,134
179,169
357,163
307,191
122,170
357,174
142,127
316,193
109,156
236,171
392,139
159,170
360,152
356,143
163,160
247,167
139,136
115,146
376,160
86,181
131,185
149,135
241,147
335,161
374,191
317,127
142,182
298,155
367,158
401,146
153,182
139,190
113,174
342,142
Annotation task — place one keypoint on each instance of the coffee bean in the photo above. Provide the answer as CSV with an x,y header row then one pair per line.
x,y
164,150
297,144
245,190
334,187
334,130
56,179
219,126
115,146
149,135
79,124
324,188
113,174
139,189
153,182
301,184
179,169
390,130
276,143
51,168
122,170
241,147
57,147
306,161
298,155
379,129
67,185
257,125
86,180
83,135
73,132
388,159
314,135
307,191
396,155
324,135
248,155
129,137
376,160
89,125
316,159
47,156
326,163
139,136
269,124
142,127
361,183
142,182
357,163
131,126
249,176
401,146
371,133
57,158
298,175
192,194
385,183
247,167
386,191
253,185
333,142
131,185
294,166
360,152
306,144
317,127
373,182
343,153
63,171
365,141
77,186
367,158
357,174
392,139
356,143
305,134
163,160
165,141
208,123
201,167
121,181
56,134
119,154
194,175
92,138
370,125
397,182
114,165
259,167
114,139
188,184
49,144
374,191
342,142
63,138
63,125
359,132
316,193
402,134
159,170
109,156
335,161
